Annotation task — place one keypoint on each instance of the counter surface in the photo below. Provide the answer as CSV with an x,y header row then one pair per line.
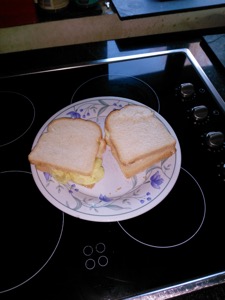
x,y
106,26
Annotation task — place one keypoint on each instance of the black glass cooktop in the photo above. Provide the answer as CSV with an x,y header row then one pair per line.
x,y
51,254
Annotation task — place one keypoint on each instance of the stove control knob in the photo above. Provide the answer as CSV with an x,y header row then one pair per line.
x,y
200,112
215,139
187,90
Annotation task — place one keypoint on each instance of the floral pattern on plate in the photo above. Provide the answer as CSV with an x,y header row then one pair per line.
x,y
114,198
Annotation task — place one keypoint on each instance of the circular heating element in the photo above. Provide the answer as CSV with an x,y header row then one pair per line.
x,y
16,116
174,221
30,230
120,86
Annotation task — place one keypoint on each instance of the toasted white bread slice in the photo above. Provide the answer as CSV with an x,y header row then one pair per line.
x,y
138,139
70,150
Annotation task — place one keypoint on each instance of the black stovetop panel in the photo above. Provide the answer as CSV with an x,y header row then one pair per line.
x,y
214,45
127,9
181,239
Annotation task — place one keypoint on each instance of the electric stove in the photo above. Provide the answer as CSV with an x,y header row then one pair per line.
x,y
46,252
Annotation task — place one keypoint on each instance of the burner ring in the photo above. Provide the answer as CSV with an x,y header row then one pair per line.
x,y
31,230
111,85
168,236
16,117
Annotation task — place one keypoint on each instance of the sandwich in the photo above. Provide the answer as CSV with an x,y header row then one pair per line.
x,y
137,138
71,150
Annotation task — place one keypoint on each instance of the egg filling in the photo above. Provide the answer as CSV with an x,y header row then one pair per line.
x,y
97,175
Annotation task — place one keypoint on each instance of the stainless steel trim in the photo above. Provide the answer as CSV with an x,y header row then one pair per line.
x,y
183,288
196,65
219,99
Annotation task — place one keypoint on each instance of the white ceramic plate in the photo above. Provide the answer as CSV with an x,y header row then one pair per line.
x,y
114,198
